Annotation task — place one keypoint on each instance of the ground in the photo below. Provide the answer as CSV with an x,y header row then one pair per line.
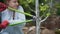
x,y
31,30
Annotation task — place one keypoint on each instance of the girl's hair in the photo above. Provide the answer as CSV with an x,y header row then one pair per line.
x,y
6,1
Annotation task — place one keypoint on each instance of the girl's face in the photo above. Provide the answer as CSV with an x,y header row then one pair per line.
x,y
13,3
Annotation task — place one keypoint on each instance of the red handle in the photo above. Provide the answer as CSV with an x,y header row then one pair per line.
x,y
4,24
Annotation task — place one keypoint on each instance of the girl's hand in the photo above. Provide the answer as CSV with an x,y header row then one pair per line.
x,y
4,24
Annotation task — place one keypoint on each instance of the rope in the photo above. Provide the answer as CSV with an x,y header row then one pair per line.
x,y
22,13
20,22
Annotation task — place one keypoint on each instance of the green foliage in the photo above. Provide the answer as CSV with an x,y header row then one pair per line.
x,y
57,31
57,5
44,10
28,6
44,7
30,1
1,0
58,11
26,3
48,14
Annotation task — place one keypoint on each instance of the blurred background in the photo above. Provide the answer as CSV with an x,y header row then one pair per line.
x,y
50,8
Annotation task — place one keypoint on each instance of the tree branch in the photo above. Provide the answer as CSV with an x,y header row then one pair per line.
x,y
44,19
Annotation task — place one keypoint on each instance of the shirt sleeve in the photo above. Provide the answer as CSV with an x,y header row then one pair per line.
x,y
4,16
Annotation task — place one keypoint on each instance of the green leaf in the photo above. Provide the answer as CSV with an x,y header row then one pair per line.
x,y
48,14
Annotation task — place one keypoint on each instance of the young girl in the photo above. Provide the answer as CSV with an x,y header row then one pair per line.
x,y
13,17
